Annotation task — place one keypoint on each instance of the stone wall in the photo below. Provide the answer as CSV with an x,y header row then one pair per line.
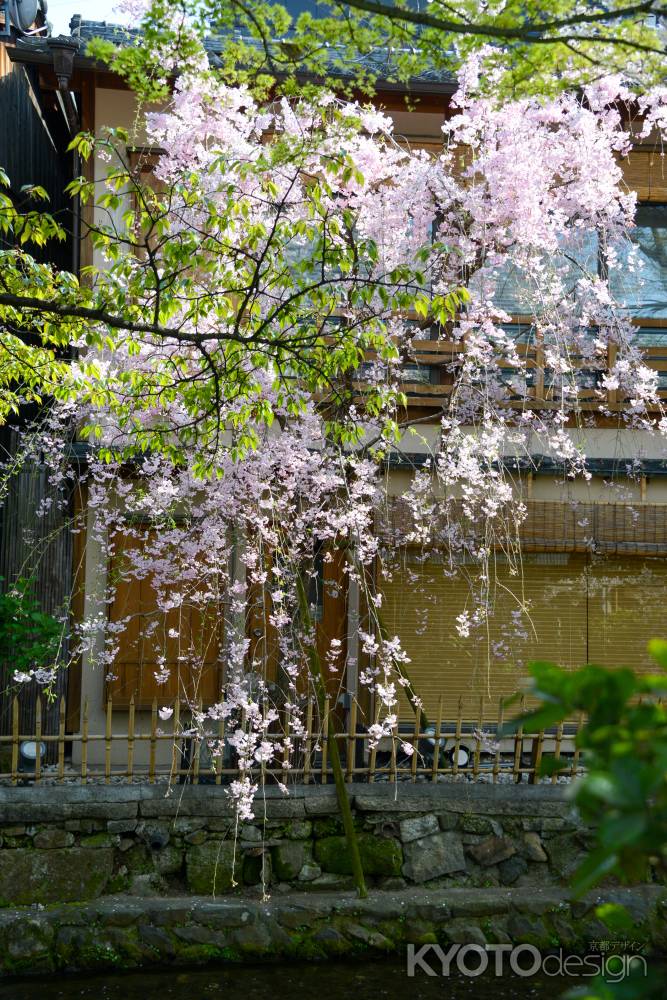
x,y
74,844
122,933
120,876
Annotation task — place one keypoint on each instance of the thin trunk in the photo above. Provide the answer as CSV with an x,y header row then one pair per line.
x,y
339,779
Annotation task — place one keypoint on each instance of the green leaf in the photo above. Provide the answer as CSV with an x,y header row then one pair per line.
x,y
614,916
658,650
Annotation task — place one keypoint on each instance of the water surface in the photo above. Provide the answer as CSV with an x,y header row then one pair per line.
x,y
373,980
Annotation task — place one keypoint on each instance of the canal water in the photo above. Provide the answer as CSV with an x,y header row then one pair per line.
x,y
374,980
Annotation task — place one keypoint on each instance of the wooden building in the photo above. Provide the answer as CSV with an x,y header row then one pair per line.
x,y
594,552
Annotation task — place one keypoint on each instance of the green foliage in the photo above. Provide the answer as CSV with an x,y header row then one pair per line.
x,y
30,366
528,46
624,747
29,638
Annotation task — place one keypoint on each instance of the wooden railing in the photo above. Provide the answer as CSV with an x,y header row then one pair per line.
x,y
137,746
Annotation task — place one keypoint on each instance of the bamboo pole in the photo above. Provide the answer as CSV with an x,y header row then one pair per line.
x,y
130,740
84,742
559,738
61,740
325,740
374,749
176,762
307,761
436,746
286,731
518,744
339,779
415,746
107,742
457,737
499,729
351,741
153,743
38,741
15,739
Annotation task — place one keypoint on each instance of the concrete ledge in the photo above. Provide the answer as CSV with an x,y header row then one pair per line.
x,y
123,932
55,803
515,800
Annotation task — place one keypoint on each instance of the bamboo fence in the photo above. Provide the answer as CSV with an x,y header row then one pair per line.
x,y
174,751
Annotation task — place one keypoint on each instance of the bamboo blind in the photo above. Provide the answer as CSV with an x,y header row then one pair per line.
x,y
554,526
541,611
569,608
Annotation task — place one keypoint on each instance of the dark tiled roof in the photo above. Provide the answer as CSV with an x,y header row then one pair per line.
x,y
116,33
119,35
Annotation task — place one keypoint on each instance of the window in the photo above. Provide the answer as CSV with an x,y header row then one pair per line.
x,y
639,280
637,277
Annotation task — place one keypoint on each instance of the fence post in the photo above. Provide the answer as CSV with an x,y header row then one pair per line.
x,y
84,742
61,740
107,742
559,738
38,740
536,758
351,741
153,741
175,753
499,729
436,745
478,738
221,748
457,737
374,749
307,762
325,739
130,740
577,751
415,744
518,745
286,735
15,739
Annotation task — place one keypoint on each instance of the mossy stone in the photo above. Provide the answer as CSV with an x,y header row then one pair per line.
x,y
331,826
210,867
99,840
379,855
565,854
138,861
298,829
288,859
54,876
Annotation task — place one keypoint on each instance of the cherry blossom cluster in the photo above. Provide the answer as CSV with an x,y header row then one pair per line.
x,y
523,212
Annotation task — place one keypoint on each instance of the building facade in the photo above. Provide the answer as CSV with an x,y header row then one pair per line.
x,y
594,551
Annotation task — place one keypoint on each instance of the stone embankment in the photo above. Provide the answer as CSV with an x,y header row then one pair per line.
x,y
123,876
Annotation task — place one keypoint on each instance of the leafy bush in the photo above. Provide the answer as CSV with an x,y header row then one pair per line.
x,y
623,792
624,746
29,638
